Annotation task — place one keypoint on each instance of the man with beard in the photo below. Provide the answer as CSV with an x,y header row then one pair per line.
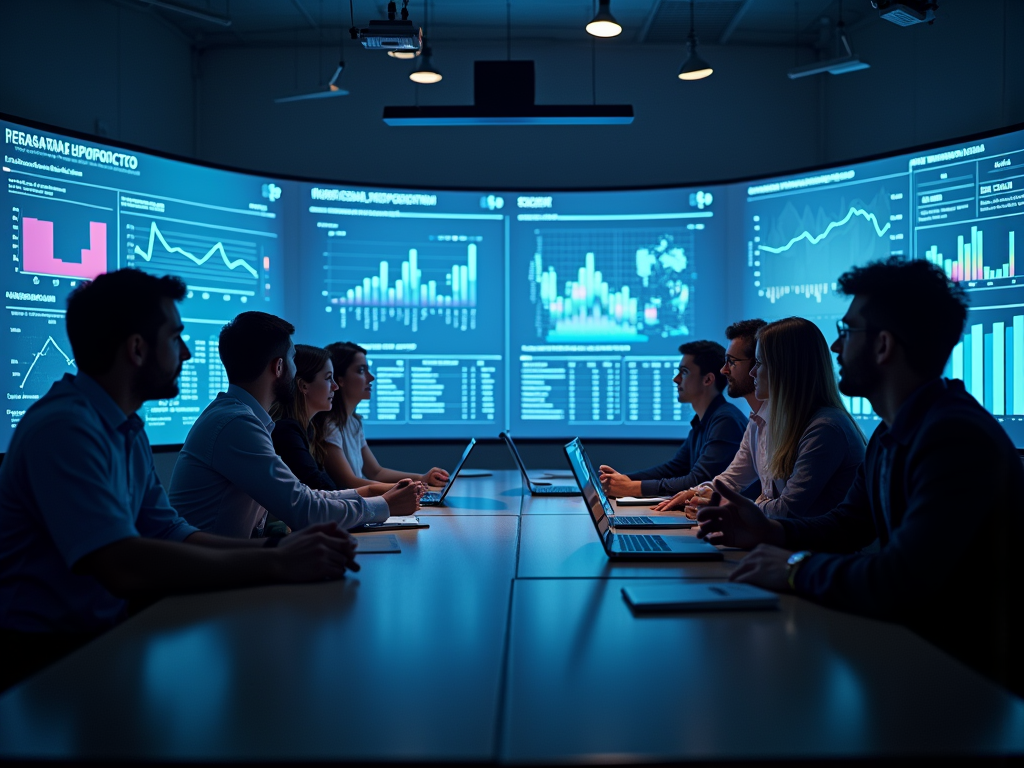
x,y
715,432
84,521
748,471
228,476
944,568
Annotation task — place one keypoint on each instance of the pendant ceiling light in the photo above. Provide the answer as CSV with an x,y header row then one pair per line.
x,y
694,68
426,73
604,24
403,54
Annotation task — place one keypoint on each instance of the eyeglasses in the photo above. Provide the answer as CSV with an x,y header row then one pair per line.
x,y
731,361
843,330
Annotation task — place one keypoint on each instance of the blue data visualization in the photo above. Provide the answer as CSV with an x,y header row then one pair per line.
x,y
78,208
418,280
604,288
553,314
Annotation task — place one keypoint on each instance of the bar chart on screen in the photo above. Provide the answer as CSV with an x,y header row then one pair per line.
x,y
436,282
972,258
990,361
612,285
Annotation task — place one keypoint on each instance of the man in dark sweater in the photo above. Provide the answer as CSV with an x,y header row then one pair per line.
x,y
715,432
941,488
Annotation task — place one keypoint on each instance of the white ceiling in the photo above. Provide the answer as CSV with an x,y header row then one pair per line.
x,y
308,22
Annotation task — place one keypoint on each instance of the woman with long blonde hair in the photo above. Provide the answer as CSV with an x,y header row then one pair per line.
x,y
814,445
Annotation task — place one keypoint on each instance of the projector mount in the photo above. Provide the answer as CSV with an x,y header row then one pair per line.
x,y
391,34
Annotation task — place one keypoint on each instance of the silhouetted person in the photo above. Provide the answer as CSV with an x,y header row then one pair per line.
x,y
940,489
84,521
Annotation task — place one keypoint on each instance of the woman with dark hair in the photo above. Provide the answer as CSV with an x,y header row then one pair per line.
x,y
299,424
349,461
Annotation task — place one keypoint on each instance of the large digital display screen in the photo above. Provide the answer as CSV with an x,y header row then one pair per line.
x,y
76,209
553,314
958,206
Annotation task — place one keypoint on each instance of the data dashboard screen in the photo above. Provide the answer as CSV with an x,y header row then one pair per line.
x,y
959,207
604,287
76,209
418,279
552,314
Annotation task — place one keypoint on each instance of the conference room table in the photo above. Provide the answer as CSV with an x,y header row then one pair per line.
x,y
499,635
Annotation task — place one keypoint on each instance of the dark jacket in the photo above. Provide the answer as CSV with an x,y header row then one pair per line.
x,y
291,442
709,449
942,491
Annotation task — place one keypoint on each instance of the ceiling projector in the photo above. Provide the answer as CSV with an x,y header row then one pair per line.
x,y
906,13
389,35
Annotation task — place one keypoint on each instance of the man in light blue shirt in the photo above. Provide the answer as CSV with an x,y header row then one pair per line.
x,y
228,476
84,521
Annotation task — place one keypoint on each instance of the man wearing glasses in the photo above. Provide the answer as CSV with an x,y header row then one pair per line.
x,y
748,471
943,568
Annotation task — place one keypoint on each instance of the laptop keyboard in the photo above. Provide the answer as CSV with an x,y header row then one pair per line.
x,y
631,520
540,490
640,542
431,497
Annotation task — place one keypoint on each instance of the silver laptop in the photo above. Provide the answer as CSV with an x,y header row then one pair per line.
x,y
629,546
435,499
535,488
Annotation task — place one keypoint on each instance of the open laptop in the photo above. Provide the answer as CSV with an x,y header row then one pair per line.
x,y
435,499
629,546
634,522
535,489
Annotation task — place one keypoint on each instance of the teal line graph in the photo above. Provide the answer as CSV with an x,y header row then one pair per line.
x,y
815,239
42,353
156,234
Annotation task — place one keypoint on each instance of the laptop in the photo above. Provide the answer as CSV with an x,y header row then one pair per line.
x,y
636,522
435,499
629,546
535,489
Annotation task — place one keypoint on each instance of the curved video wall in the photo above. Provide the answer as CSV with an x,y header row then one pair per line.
x,y
552,314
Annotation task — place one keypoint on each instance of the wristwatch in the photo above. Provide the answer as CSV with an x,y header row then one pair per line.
x,y
793,565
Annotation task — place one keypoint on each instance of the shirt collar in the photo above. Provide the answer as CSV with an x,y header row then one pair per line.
x,y
760,416
104,404
713,406
908,417
245,398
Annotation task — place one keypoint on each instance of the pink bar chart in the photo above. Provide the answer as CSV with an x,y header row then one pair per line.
x,y
39,258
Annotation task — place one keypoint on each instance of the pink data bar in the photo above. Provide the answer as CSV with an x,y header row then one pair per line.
x,y
38,253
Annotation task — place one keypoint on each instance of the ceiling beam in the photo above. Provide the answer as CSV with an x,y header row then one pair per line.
x,y
736,19
196,13
302,9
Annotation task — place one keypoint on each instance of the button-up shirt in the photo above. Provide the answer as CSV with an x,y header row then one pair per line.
x,y
941,491
228,477
751,461
710,446
78,476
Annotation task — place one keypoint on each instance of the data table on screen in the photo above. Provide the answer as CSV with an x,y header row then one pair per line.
x,y
604,290
418,280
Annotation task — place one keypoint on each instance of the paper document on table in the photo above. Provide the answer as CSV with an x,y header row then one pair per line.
x,y
639,501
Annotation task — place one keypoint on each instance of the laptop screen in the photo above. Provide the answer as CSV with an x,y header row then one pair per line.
x,y
586,479
515,455
458,467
